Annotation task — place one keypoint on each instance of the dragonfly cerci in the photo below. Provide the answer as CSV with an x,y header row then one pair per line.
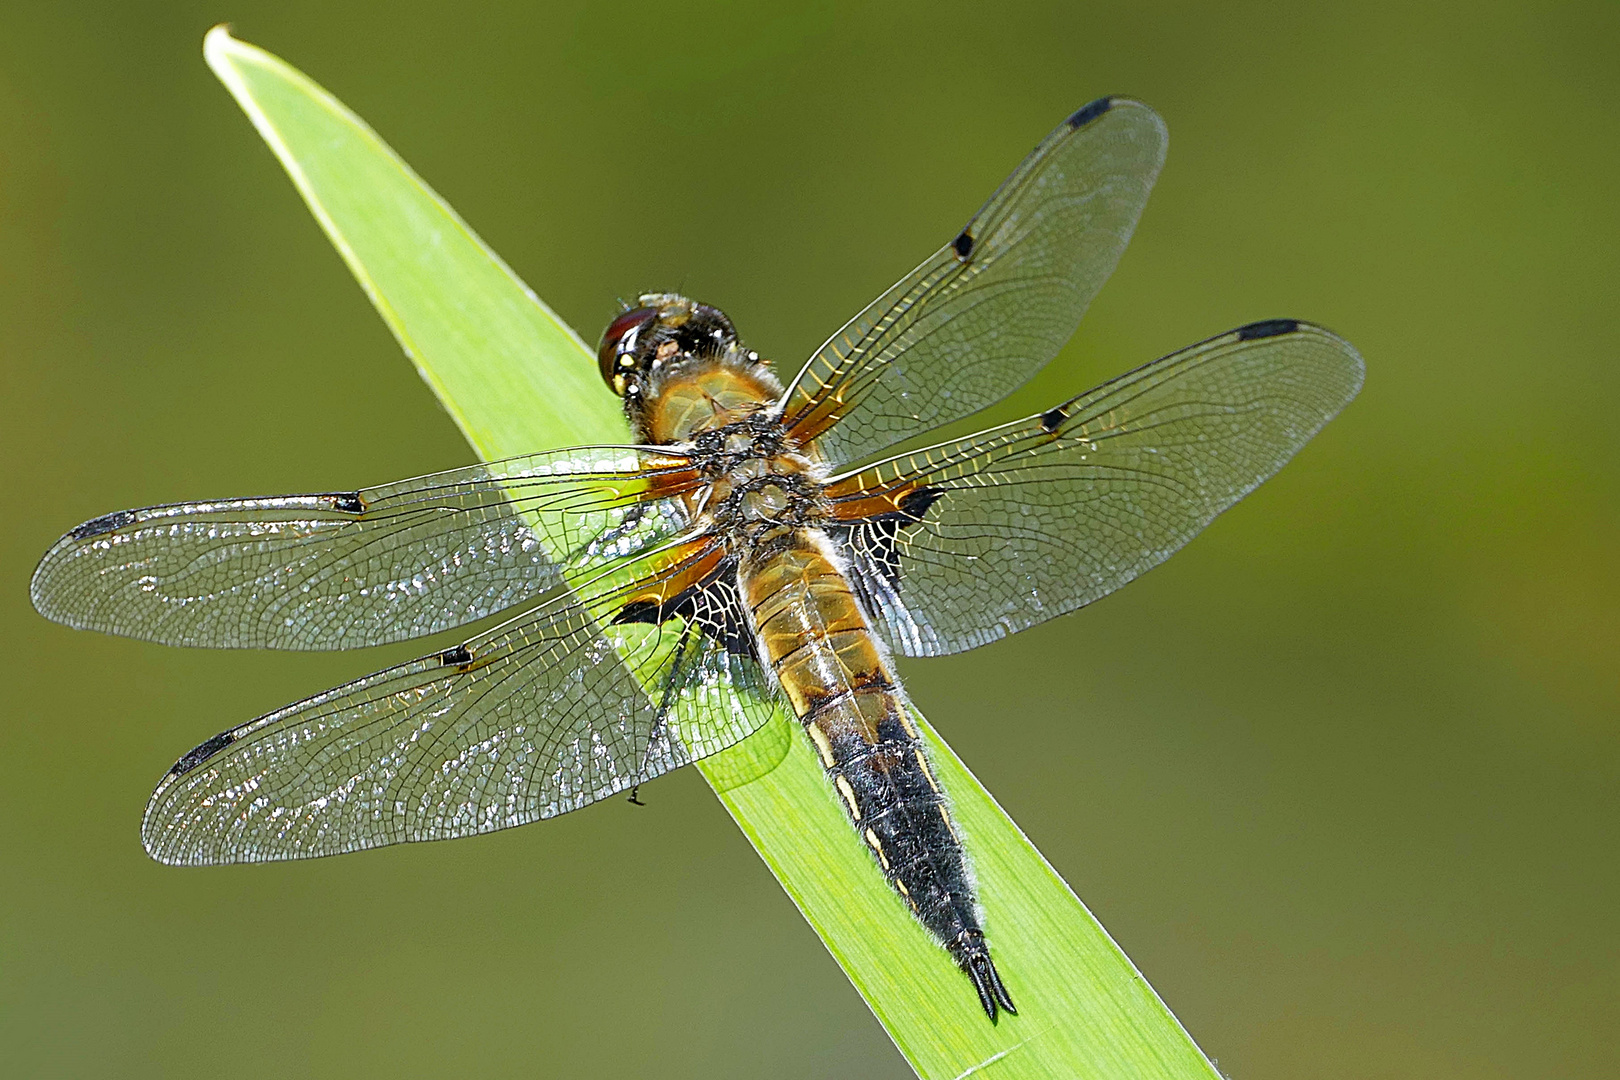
x,y
754,547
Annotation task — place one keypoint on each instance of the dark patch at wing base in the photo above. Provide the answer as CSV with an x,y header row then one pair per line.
x,y
710,605
1050,513
551,714
874,547
888,527
916,504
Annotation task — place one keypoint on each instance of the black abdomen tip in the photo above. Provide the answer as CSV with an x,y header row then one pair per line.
x,y
1087,113
972,954
1267,328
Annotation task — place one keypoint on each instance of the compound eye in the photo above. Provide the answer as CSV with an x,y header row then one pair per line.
x,y
619,344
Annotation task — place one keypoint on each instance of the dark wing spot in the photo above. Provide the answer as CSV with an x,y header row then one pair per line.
x,y
642,611
1087,113
916,503
104,524
456,656
348,501
1267,328
875,555
963,245
202,753
874,544
1053,419
712,605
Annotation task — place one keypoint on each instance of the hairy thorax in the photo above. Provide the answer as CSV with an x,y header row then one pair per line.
x,y
702,396
761,487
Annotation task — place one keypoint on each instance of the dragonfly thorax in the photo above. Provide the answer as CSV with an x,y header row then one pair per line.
x,y
760,483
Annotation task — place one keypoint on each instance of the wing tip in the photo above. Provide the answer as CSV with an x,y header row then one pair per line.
x,y
101,526
1274,328
201,753
159,854
1093,111
1266,328
44,587
1088,112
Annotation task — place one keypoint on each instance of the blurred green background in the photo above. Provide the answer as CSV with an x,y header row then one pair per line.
x,y
1341,778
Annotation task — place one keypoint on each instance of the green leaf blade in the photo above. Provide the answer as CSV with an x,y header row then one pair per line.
x,y
440,289
517,380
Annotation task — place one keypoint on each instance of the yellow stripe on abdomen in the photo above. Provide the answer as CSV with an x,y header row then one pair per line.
x,y
812,633
809,626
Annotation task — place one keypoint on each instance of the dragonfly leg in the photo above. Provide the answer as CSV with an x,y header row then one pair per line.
x,y
672,683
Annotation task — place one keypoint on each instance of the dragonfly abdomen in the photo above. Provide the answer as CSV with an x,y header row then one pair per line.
x,y
813,634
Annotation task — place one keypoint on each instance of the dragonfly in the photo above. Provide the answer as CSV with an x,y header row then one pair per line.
x,y
754,549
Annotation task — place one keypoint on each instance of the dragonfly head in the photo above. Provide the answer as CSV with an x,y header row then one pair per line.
x,y
663,331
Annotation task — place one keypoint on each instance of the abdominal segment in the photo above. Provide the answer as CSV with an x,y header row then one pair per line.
x,y
812,633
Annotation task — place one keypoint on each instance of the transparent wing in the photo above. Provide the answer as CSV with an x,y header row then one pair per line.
x,y
966,542
347,569
986,311
533,719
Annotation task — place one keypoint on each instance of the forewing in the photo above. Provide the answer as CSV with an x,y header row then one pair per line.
x,y
346,569
966,542
986,311
533,719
